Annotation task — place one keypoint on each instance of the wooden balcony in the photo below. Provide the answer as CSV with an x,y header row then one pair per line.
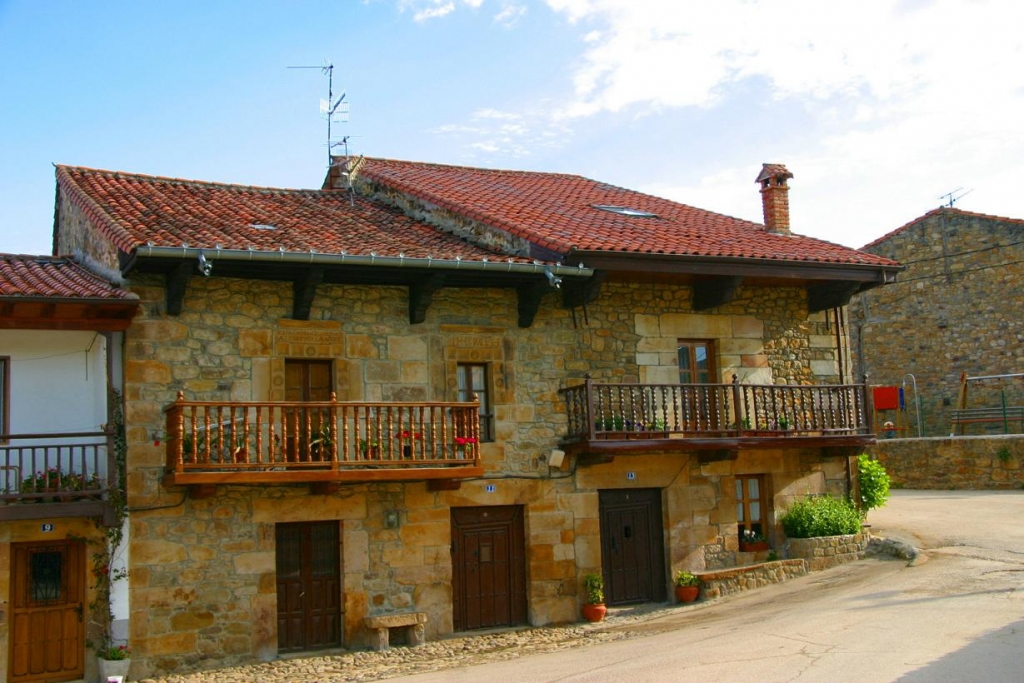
x,y
323,443
717,419
49,476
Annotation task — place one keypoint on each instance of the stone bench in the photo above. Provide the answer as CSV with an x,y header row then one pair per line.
x,y
414,621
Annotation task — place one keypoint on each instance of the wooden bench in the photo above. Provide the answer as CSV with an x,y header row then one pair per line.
x,y
964,416
414,621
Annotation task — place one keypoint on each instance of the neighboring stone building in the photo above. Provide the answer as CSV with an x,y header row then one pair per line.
x,y
535,380
956,309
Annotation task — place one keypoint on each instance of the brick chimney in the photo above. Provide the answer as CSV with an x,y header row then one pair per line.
x,y
775,197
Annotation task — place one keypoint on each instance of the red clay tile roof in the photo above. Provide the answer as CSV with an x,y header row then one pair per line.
x,y
935,212
556,211
56,277
133,210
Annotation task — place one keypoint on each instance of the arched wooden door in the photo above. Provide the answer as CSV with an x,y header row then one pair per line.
x,y
47,637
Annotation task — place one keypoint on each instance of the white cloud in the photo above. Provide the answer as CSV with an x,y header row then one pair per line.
x,y
905,100
434,12
501,133
510,14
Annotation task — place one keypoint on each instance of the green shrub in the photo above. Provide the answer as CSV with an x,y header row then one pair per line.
x,y
821,516
874,483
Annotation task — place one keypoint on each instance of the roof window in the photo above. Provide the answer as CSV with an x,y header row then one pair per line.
x,y
625,211
262,226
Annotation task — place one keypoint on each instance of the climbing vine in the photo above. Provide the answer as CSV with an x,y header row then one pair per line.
x,y
107,548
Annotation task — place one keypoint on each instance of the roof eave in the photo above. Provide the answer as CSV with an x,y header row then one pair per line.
x,y
640,263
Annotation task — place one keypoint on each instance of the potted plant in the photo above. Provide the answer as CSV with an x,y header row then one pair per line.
x,y
462,444
369,448
752,541
406,437
114,660
594,608
687,586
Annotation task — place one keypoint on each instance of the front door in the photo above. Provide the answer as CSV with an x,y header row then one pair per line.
x,y
47,637
488,567
307,431
308,586
632,547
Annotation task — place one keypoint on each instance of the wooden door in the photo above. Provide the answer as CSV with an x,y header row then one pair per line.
x,y
309,613
47,636
488,567
632,546
306,380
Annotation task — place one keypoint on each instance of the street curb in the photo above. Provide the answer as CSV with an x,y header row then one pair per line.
x,y
897,549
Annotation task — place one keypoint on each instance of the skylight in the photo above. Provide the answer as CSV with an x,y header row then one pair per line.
x,y
262,226
625,211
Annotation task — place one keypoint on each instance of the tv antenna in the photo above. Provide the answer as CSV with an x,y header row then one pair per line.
x,y
329,107
951,198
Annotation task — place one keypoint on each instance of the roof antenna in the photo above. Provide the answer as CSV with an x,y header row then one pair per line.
x,y
330,107
951,198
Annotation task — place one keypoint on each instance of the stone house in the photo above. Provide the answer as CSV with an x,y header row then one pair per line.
x,y
956,310
450,393
60,343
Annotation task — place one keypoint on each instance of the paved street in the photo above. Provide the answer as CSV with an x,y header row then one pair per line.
x,y
955,614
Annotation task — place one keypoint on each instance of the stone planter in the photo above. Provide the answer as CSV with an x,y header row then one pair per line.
x,y
109,668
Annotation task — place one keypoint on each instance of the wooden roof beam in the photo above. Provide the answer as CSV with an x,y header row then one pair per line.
x,y
715,291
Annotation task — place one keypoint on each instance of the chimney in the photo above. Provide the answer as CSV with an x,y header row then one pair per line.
x,y
775,197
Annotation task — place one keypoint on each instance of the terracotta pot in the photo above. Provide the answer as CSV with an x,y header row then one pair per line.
x,y
754,547
687,593
594,613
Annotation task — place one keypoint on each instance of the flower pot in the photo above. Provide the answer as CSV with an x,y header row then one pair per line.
x,y
113,667
594,612
754,546
687,593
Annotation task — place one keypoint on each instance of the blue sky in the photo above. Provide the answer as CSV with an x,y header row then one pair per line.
x,y
877,108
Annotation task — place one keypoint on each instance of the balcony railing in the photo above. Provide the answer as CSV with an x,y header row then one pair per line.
x,y
65,468
321,441
598,411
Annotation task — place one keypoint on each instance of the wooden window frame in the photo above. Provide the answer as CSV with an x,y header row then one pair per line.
x,y
5,397
762,525
464,376
691,345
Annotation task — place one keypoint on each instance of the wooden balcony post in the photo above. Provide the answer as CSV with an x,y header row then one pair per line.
x,y
590,416
737,416
175,426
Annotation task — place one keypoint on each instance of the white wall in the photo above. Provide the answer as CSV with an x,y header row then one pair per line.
x,y
58,380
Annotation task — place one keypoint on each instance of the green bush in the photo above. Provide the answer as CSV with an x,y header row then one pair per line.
x,y
874,483
822,516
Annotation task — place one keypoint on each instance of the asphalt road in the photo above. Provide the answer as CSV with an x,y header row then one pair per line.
x,y
954,614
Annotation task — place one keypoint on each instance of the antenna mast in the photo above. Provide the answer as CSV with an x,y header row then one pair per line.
x,y
951,198
329,107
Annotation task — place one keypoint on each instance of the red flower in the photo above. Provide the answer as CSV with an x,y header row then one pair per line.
x,y
406,435
463,440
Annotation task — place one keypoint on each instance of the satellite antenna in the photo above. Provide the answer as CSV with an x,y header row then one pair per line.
x,y
951,198
329,107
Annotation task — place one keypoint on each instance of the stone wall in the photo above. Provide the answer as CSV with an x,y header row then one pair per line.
x,y
726,582
964,462
826,552
955,309
203,586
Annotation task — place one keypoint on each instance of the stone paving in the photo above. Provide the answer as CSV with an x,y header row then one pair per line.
x,y
436,655
459,651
